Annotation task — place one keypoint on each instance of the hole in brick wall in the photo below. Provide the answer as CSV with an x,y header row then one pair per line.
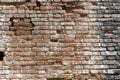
x,y
58,62
93,75
54,40
31,22
72,3
94,3
1,55
27,0
21,25
60,31
83,15
58,79
11,20
81,7
67,9
21,19
64,7
38,3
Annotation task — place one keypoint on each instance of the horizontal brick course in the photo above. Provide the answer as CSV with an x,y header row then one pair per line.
x,y
59,39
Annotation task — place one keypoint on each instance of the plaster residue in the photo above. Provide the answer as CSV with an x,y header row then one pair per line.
x,y
4,38
4,42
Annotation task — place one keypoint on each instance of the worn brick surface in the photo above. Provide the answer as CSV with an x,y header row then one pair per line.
x,y
60,39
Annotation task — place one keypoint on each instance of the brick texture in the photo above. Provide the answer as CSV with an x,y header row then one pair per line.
x,y
60,39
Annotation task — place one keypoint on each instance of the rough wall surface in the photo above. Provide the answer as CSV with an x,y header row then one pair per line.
x,y
60,39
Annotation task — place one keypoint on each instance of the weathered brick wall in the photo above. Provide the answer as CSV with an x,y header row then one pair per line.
x,y
59,40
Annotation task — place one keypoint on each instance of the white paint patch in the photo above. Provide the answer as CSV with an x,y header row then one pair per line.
x,y
3,38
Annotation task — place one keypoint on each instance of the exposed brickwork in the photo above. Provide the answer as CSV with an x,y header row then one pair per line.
x,y
59,40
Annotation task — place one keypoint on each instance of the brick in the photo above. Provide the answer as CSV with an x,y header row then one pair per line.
x,y
40,40
41,58
14,67
18,33
69,49
69,58
68,23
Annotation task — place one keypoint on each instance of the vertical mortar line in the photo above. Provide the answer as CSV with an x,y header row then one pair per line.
x,y
99,27
88,34
47,63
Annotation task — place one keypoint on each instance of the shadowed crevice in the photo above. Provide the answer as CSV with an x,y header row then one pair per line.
x,y
1,55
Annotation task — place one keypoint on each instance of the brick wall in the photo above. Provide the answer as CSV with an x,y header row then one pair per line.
x,y
59,40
